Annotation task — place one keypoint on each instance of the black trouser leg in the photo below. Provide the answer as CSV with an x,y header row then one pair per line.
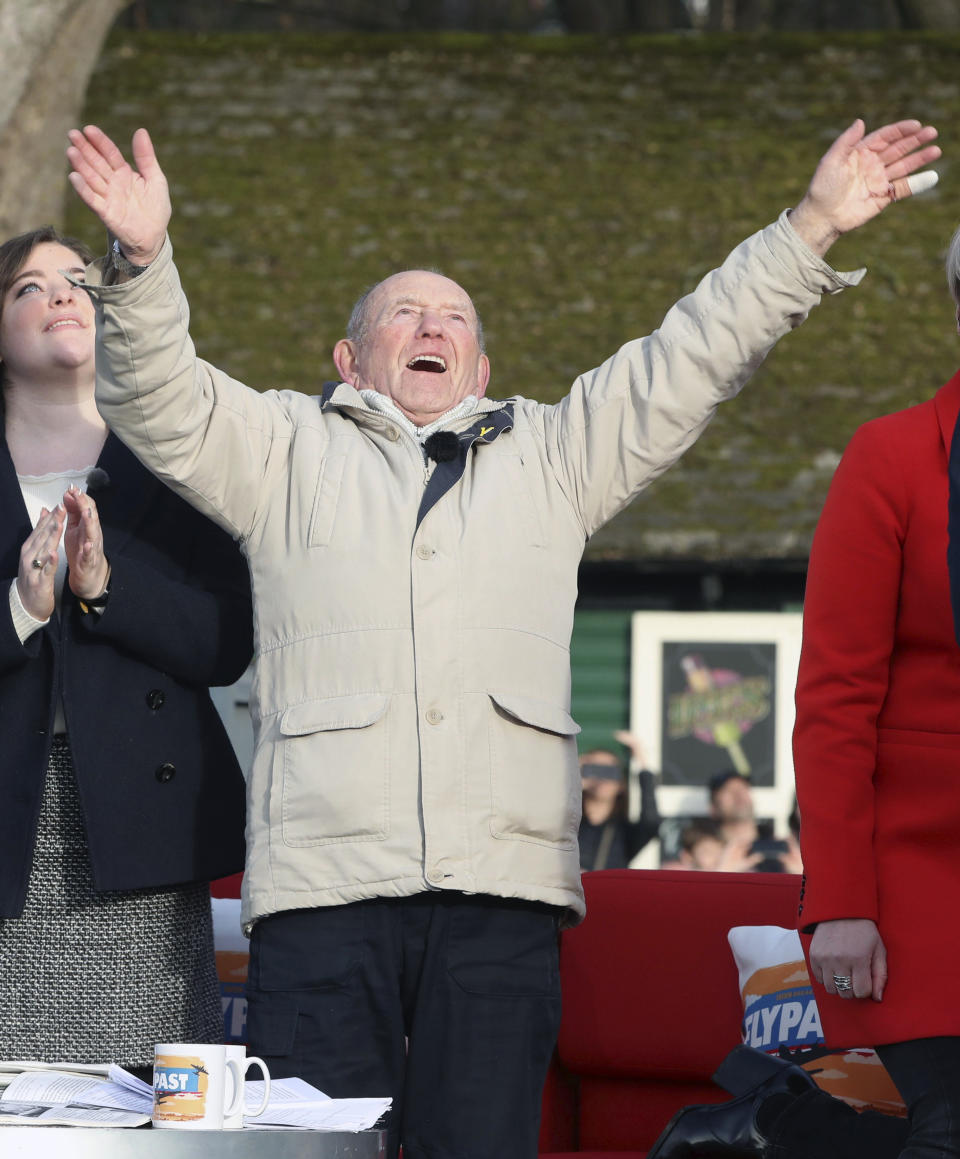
x,y
926,1072
483,1025
816,1125
323,1001
471,981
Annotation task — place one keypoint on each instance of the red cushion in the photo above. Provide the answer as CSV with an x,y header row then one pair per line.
x,y
617,1114
649,984
651,1001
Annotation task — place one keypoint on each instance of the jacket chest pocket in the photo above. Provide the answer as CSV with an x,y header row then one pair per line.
x,y
326,499
534,777
334,770
520,498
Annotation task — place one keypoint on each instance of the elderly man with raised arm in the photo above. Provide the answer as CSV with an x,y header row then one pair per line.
x,y
413,547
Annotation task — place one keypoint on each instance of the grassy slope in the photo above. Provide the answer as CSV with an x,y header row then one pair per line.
x,y
576,188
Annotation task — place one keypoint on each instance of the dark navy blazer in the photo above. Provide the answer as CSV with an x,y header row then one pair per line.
x,y
161,791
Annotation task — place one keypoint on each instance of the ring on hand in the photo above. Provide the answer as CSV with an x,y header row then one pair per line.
x,y
38,564
843,983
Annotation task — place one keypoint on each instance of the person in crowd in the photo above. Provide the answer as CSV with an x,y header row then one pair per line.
x,y
608,838
415,794
748,845
122,795
876,746
702,846
731,806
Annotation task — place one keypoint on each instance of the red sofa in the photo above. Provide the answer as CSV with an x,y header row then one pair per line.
x,y
651,1002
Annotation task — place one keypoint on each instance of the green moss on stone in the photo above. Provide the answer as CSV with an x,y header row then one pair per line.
x,y
576,187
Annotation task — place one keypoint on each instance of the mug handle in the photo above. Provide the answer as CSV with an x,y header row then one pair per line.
x,y
266,1084
236,1103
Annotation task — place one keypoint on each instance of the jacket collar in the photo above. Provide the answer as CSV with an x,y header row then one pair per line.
x,y
946,403
342,396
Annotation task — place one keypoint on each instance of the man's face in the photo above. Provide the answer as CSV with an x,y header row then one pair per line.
x,y
419,348
733,801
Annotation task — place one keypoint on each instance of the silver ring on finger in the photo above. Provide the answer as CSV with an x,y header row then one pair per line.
x,y
38,564
843,983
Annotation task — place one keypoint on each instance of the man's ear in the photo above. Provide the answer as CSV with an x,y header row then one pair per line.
x,y
483,375
345,360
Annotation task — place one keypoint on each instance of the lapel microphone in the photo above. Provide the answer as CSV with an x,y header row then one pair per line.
x,y
97,480
442,446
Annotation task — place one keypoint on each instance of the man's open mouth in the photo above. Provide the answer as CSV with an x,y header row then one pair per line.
x,y
432,363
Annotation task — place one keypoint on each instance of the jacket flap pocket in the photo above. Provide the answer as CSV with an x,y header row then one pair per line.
x,y
539,713
333,713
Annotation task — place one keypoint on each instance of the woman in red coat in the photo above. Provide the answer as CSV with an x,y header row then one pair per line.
x,y
877,756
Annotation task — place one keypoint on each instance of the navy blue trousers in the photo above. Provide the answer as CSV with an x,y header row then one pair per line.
x,y
447,1002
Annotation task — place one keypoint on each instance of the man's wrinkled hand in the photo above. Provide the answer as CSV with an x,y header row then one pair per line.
x,y
860,175
133,202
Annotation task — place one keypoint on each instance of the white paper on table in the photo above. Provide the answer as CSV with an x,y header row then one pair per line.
x,y
328,1115
55,1088
58,1114
249,1124
130,1081
284,1091
45,1086
119,1097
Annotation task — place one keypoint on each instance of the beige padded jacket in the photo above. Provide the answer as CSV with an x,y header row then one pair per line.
x,y
411,697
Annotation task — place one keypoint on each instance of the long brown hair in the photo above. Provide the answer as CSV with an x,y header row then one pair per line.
x,y
14,253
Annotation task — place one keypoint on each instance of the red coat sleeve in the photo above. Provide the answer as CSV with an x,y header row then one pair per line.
x,y
849,628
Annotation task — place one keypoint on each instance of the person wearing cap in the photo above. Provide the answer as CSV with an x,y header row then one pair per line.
x,y
413,545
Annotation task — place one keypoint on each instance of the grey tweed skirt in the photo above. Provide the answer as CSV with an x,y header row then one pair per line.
x,y
101,977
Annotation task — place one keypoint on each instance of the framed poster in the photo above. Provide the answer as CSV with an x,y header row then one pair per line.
x,y
711,691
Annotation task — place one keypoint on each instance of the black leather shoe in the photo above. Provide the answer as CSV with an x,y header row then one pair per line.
x,y
730,1129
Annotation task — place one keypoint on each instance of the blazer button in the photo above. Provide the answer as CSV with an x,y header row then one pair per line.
x,y
155,698
166,772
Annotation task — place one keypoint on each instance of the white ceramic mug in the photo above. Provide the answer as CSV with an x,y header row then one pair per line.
x,y
238,1054
190,1086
